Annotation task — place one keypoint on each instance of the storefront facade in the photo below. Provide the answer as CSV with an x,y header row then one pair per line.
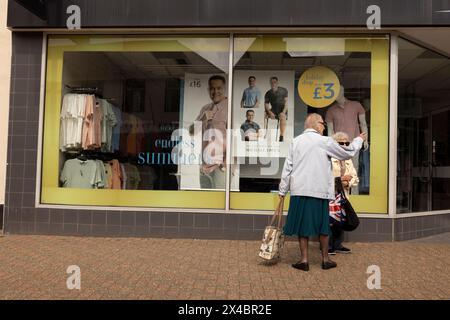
x,y
175,119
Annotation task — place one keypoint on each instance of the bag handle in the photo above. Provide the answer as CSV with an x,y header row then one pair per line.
x,y
340,187
278,214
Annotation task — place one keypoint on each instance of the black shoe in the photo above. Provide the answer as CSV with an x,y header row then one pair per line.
x,y
281,138
301,266
343,250
329,265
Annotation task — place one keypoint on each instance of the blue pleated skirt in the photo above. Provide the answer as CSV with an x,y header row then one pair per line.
x,y
307,217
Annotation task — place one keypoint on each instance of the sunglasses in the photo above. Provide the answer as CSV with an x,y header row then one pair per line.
x,y
323,123
344,143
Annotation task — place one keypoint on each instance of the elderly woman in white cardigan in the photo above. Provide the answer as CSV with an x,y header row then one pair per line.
x,y
349,177
308,176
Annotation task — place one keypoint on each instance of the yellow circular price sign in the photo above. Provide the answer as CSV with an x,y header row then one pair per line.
x,y
319,87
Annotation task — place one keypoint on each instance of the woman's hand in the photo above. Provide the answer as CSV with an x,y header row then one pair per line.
x,y
346,178
363,136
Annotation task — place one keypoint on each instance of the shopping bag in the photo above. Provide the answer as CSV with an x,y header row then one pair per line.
x,y
337,217
351,221
273,238
350,218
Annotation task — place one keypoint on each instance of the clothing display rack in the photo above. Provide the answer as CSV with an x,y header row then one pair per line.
x,y
100,155
118,169
83,90
88,90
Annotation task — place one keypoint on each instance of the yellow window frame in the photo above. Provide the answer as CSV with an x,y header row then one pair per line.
x,y
51,193
377,200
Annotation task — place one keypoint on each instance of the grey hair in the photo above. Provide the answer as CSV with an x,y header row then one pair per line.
x,y
341,135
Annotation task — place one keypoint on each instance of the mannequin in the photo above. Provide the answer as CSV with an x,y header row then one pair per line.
x,y
349,117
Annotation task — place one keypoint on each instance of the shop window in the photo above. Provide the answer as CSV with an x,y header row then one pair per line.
x,y
127,119
169,95
423,169
172,95
273,91
134,95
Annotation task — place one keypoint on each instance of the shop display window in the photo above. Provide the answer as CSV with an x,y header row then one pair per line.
x,y
127,119
142,121
423,149
278,80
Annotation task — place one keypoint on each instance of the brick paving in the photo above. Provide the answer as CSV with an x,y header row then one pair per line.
x,y
439,238
34,267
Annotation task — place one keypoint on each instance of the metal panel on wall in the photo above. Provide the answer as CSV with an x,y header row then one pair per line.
x,y
236,13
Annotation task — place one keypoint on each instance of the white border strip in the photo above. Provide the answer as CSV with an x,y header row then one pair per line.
x,y
41,120
393,108
228,133
421,214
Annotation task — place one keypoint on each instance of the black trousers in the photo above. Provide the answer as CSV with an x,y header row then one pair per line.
x,y
336,238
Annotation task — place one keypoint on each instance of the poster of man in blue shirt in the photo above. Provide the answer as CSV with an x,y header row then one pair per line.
x,y
252,95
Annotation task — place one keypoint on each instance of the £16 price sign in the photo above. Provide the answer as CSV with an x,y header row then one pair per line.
x,y
319,87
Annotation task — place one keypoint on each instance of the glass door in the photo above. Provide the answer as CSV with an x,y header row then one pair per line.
x,y
423,167
440,160
430,188
421,182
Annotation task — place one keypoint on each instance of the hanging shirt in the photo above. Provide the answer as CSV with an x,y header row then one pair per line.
x,y
88,123
116,175
101,175
109,121
136,135
133,177
108,173
71,121
92,126
148,178
124,176
98,117
115,140
80,174
345,118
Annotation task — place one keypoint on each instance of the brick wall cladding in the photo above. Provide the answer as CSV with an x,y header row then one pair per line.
x,y
22,217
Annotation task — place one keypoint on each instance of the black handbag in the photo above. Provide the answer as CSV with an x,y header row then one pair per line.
x,y
351,221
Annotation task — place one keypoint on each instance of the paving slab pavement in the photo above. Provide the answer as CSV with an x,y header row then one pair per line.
x,y
34,267
443,238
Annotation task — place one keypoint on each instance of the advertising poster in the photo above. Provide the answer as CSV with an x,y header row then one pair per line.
x,y
263,113
196,96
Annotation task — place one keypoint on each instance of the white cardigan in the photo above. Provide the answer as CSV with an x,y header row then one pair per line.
x,y
307,170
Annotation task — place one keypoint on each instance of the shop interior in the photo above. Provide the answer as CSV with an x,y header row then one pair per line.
x,y
147,90
423,172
